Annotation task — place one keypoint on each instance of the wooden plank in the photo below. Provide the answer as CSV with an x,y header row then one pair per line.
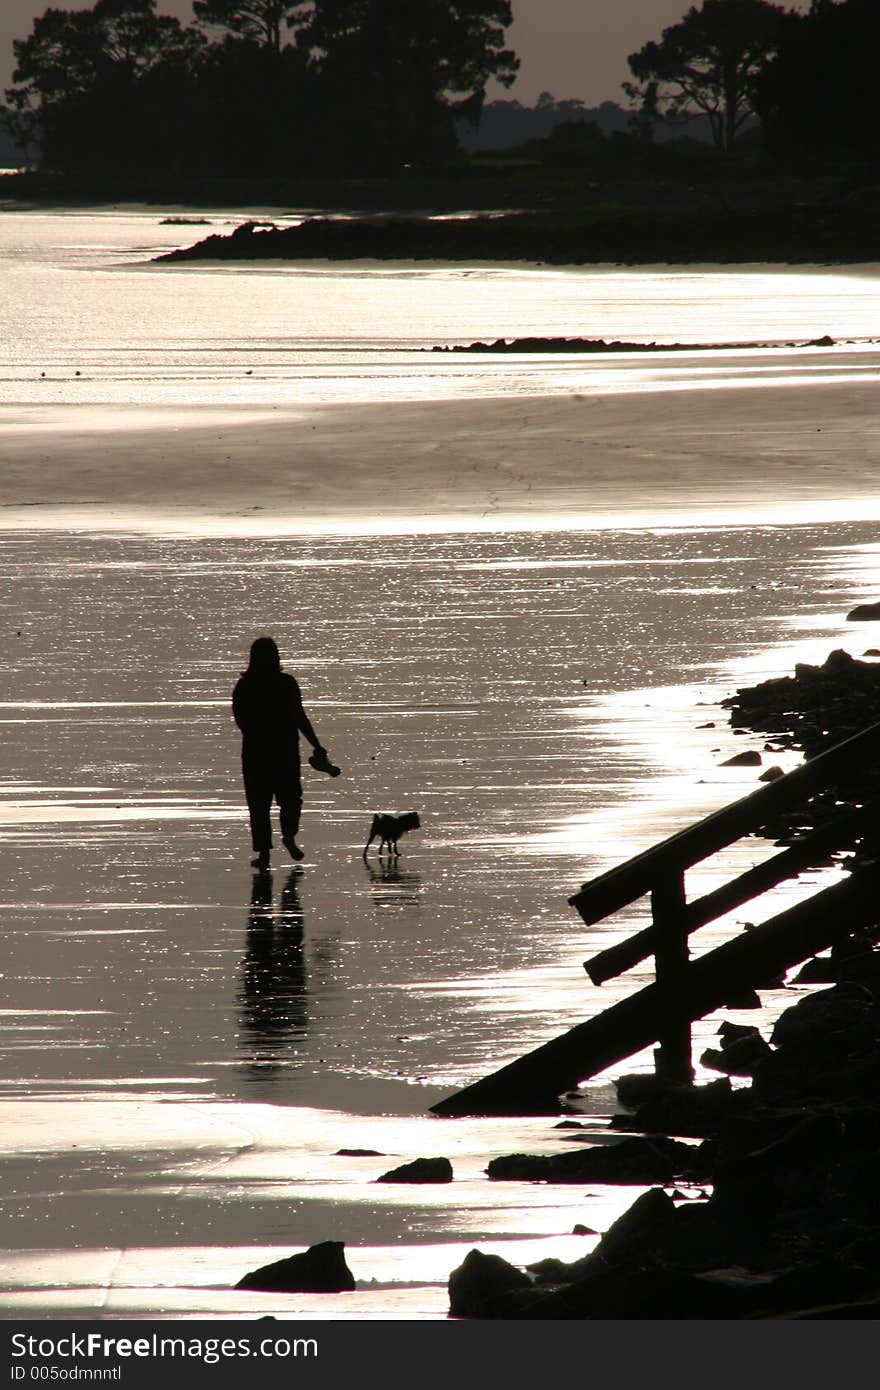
x,y
805,852
623,884
532,1084
672,1060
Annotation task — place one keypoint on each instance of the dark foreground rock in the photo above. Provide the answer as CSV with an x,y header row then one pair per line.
x,y
791,1225
478,1287
689,1111
632,1161
420,1170
320,1269
811,711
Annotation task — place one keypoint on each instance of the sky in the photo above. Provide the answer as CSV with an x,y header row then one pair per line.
x,y
572,48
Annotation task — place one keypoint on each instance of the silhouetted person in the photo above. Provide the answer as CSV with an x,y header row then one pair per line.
x,y
267,706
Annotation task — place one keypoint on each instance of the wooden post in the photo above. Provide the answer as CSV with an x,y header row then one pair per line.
x,y
672,1059
531,1085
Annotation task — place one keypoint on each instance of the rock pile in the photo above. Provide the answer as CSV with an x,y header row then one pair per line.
x,y
792,1226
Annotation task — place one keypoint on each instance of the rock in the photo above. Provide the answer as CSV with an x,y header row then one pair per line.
x,y
819,970
640,1087
579,1230
479,1283
740,1059
420,1170
693,1111
320,1269
750,758
871,651
767,1160
655,1294
841,1012
772,774
634,1161
358,1153
747,999
641,1232
742,1052
635,1238
731,1032
864,613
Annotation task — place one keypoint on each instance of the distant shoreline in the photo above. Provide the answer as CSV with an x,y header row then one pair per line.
x,y
726,214
600,345
630,236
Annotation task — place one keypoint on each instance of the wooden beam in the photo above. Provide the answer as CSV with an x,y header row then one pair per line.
x,y
672,1060
627,882
532,1084
805,852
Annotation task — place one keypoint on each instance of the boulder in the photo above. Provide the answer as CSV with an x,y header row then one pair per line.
x,y
320,1269
750,758
693,1111
772,774
864,613
637,1161
741,1052
420,1170
479,1284
640,1233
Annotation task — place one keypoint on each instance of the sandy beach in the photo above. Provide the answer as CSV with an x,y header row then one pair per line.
x,y
515,611
708,452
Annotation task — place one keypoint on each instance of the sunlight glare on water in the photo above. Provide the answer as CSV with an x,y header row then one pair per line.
x,y
105,326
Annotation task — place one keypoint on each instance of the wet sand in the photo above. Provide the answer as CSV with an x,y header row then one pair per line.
x,y
185,1054
764,450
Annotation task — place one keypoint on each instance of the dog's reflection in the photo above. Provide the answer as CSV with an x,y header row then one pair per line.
x,y
394,887
273,987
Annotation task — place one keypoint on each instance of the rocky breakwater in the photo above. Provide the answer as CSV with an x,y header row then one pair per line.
x,y
791,1225
785,1220
811,711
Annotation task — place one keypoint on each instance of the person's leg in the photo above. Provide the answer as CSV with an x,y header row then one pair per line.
x,y
258,791
289,795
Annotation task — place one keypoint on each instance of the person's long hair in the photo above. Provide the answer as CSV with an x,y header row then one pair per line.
x,y
265,659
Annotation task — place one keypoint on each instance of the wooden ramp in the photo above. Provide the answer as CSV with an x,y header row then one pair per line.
x,y
686,990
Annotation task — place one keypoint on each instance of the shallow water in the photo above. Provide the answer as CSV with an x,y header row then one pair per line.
x,y
87,318
186,1046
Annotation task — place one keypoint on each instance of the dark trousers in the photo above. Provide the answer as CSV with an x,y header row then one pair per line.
x,y
267,781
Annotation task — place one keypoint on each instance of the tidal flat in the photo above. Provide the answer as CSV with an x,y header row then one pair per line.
x,y
514,597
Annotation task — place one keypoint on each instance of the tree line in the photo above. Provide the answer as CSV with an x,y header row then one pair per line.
x,y
255,87
806,76
267,88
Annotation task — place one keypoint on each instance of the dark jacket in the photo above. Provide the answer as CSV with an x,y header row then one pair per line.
x,y
269,711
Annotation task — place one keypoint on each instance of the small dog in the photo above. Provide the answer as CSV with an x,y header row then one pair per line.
x,y
389,830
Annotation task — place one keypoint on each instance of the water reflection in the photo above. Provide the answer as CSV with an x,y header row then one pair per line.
x,y
393,887
273,994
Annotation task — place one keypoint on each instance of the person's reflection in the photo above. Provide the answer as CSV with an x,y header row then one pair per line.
x,y
273,990
393,887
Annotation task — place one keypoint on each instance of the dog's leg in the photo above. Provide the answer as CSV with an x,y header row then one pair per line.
x,y
369,842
